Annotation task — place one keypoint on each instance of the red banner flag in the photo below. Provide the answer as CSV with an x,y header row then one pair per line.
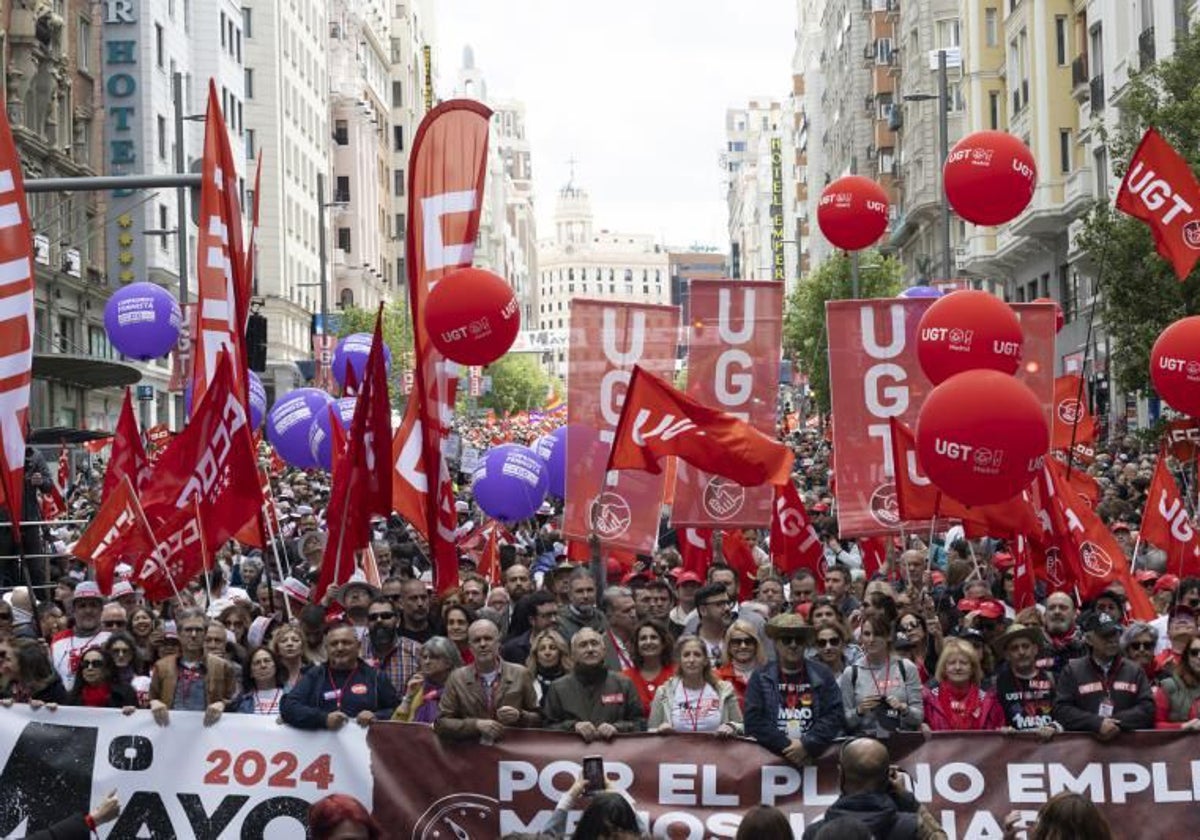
x,y
739,556
446,175
1024,594
211,461
607,340
1071,423
1166,525
185,345
795,543
180,554
219,263
128,457
695,547
874,375
874,554
735,332
360,489
118,533
658,421
16,325
62,478
1160,190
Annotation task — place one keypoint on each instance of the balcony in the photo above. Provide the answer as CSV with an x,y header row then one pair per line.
x,y
1096,93
1079,77
1080,191
1146,53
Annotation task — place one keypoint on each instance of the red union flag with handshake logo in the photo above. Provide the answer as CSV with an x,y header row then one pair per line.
x,y
16,325
874,376
733,364
607,341
1160,190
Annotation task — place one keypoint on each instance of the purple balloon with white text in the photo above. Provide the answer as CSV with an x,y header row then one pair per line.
x,y
320,435
352,352
142,321
511,484
553,450
258,401
289,422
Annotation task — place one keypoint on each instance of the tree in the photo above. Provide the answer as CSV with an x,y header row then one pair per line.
x,y
397,335
1138,291
804,339
518,383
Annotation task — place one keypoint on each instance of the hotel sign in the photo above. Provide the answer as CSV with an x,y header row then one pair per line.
x,y
778,264
123,134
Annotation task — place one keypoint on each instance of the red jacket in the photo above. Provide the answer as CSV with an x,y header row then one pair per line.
x,y
990,714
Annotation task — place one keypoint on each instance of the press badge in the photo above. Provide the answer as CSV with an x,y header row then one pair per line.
x,y
1106,709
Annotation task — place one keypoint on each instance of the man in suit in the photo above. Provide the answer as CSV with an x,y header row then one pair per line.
x,y
483,698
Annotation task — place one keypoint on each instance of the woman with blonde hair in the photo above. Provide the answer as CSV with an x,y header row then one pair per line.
x,y
957,702
549,659
694,700
741,655
288,644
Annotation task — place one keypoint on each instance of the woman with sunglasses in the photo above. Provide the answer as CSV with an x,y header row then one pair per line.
x,y
830,646
957,702
29,676
123,650
1177,697
741,655
924,650
98,685
882,693
652,663
1138,642
695,700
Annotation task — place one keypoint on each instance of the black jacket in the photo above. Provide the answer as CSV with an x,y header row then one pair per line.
x,y
1082,687
762,709
878,811
321,691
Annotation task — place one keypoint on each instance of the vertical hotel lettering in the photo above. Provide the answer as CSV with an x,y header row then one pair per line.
x,y
778,266
121,128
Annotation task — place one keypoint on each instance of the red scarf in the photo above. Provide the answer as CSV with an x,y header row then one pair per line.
x,y
96,696
961,706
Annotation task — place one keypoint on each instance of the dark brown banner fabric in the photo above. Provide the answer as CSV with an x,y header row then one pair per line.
x,y
693,786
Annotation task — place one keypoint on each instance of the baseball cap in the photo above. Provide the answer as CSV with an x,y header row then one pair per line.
x,y
88,589
1103,623
1166,583
686,577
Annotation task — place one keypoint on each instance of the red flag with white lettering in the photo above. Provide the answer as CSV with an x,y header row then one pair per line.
x,y
1160,190
695,547
1024,594
658,420
447,167
220,264
874,554
1166,524
118,533
795,543
212,461
180,554
16,325
128,457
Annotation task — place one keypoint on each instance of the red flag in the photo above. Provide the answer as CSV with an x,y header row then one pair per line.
x,y
1072,423
180,554
1166,525
62,479
489,557
874,554
212,461
695,547
447,166
118,533
220,263
360,488
795,543
1160,190
1023,577
16,325
739,555
658,420
128,456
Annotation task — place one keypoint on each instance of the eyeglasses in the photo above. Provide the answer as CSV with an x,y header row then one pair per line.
x,y
113,623
381,616
790,641
821,643
742,641
91,664
1191,652
908,628
1141,645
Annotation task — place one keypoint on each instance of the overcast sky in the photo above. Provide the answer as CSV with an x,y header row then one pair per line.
x,y
634,90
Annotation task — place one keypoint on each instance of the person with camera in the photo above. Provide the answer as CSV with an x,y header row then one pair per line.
x,y
874,793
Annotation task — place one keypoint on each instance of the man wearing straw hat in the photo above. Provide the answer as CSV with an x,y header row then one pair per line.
x,y
1025,691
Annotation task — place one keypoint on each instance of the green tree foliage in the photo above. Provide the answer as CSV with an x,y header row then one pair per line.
x,y
397,334
518,383
804,339
1139,292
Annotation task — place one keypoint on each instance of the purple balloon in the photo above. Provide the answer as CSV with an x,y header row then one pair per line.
x,y
289,422
511,484
352,351
142,321
258,401
920,292
553,450
320,435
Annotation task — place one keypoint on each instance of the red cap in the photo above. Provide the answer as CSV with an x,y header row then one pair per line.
x,y
820,507
1166,583
633,575
803,608
682,577
988,608
1146,575
1119,526
1003,560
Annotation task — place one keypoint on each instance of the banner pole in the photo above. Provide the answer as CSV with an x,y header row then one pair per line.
x,y
287,607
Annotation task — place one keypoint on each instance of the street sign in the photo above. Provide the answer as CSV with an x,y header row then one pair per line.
x,y
145,393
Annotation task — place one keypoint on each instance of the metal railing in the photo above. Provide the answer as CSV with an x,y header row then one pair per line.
x,y
1097,92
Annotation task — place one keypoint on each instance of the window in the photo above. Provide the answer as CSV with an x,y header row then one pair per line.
x,y
994,110
161,124
341,191
397,138
247,21
224,42
397,94
158,45
249,82
398,182
84,45
947,34
1100,172
343,239
991,26
1064,150
251,146
164,241
341,132
1060,40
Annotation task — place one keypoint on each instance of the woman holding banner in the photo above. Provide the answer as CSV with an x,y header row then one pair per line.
x,y
882,693
695,700
439,656
1177,697
957,702
98,685
652,662
741,655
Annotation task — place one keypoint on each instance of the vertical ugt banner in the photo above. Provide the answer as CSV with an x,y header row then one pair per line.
x,y
874,375
607,340
733,365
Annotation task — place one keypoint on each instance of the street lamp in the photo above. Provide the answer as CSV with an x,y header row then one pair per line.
x,y
323,249
942,99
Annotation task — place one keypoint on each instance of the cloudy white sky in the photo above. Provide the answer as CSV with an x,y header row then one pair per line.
x,y
634,90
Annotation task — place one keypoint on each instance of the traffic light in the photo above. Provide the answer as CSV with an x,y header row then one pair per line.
x,y
256,342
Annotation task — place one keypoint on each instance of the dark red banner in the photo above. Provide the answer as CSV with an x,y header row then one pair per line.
x,y
734,335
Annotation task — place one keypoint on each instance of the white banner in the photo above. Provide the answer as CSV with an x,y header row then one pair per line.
x,y
247,776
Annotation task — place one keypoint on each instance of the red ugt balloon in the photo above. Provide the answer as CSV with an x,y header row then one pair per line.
x,y
982,437
853,212
1175,365
989,177
472,316
967,330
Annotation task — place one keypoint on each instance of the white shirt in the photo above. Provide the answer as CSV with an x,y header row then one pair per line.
x,y
695,711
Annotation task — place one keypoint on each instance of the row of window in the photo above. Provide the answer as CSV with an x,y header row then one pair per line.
x,y
598,274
